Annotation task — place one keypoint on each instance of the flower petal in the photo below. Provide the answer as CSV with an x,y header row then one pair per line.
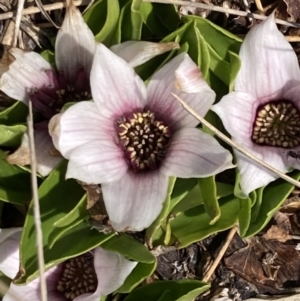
x,y
193,153
114,83
28,71
182,77
72,129
75,45
31,291
254,176
136,53
269,63
9,251
135,201
46,155
97,162
237,111
112,270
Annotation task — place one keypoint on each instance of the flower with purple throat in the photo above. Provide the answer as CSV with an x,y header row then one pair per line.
x,y
262,114
86,277
31,77
131,138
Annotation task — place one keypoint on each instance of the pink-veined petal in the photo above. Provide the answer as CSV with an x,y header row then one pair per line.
x,y
97,162
269,63
182,77
31,291
293,96
9,251
193,153
112,270
114,84
136,53
28,71
75,45
135,201
254,176
237,111
72,128
46,155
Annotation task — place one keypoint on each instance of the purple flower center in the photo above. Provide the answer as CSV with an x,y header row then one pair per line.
x,y
78,277
49,100
144,140
277,124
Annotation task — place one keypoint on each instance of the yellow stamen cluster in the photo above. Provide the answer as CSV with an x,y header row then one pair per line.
x,y
144,140
277,124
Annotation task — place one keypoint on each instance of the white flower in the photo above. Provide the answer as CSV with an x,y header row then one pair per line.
x,y
132,138
262,114
86,277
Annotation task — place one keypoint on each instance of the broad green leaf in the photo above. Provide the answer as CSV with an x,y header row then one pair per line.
x,y
160,19
194,224
218,38
95,17
137,276
105,36
17,113
11,135
130,248
203,57
136,20
103,19
190,200
256,206
49,56
57,197
15,183
235,65
208,196
181,188
163,215
224,189
272,198
76,241
181,290
244,215
78,212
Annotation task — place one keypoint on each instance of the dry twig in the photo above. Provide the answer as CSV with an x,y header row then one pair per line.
x,y
47,7
221,254
36,206
18,21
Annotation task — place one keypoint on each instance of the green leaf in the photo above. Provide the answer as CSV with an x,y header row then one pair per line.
x,y
130,248
17,113
141,272
57,197
191,199
208,195
49,56
218,38
272,198
181,290
181,189
11,135
15,183
163,214
136,20
224,189
103,18
160,19
76,241
194,224
245,215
